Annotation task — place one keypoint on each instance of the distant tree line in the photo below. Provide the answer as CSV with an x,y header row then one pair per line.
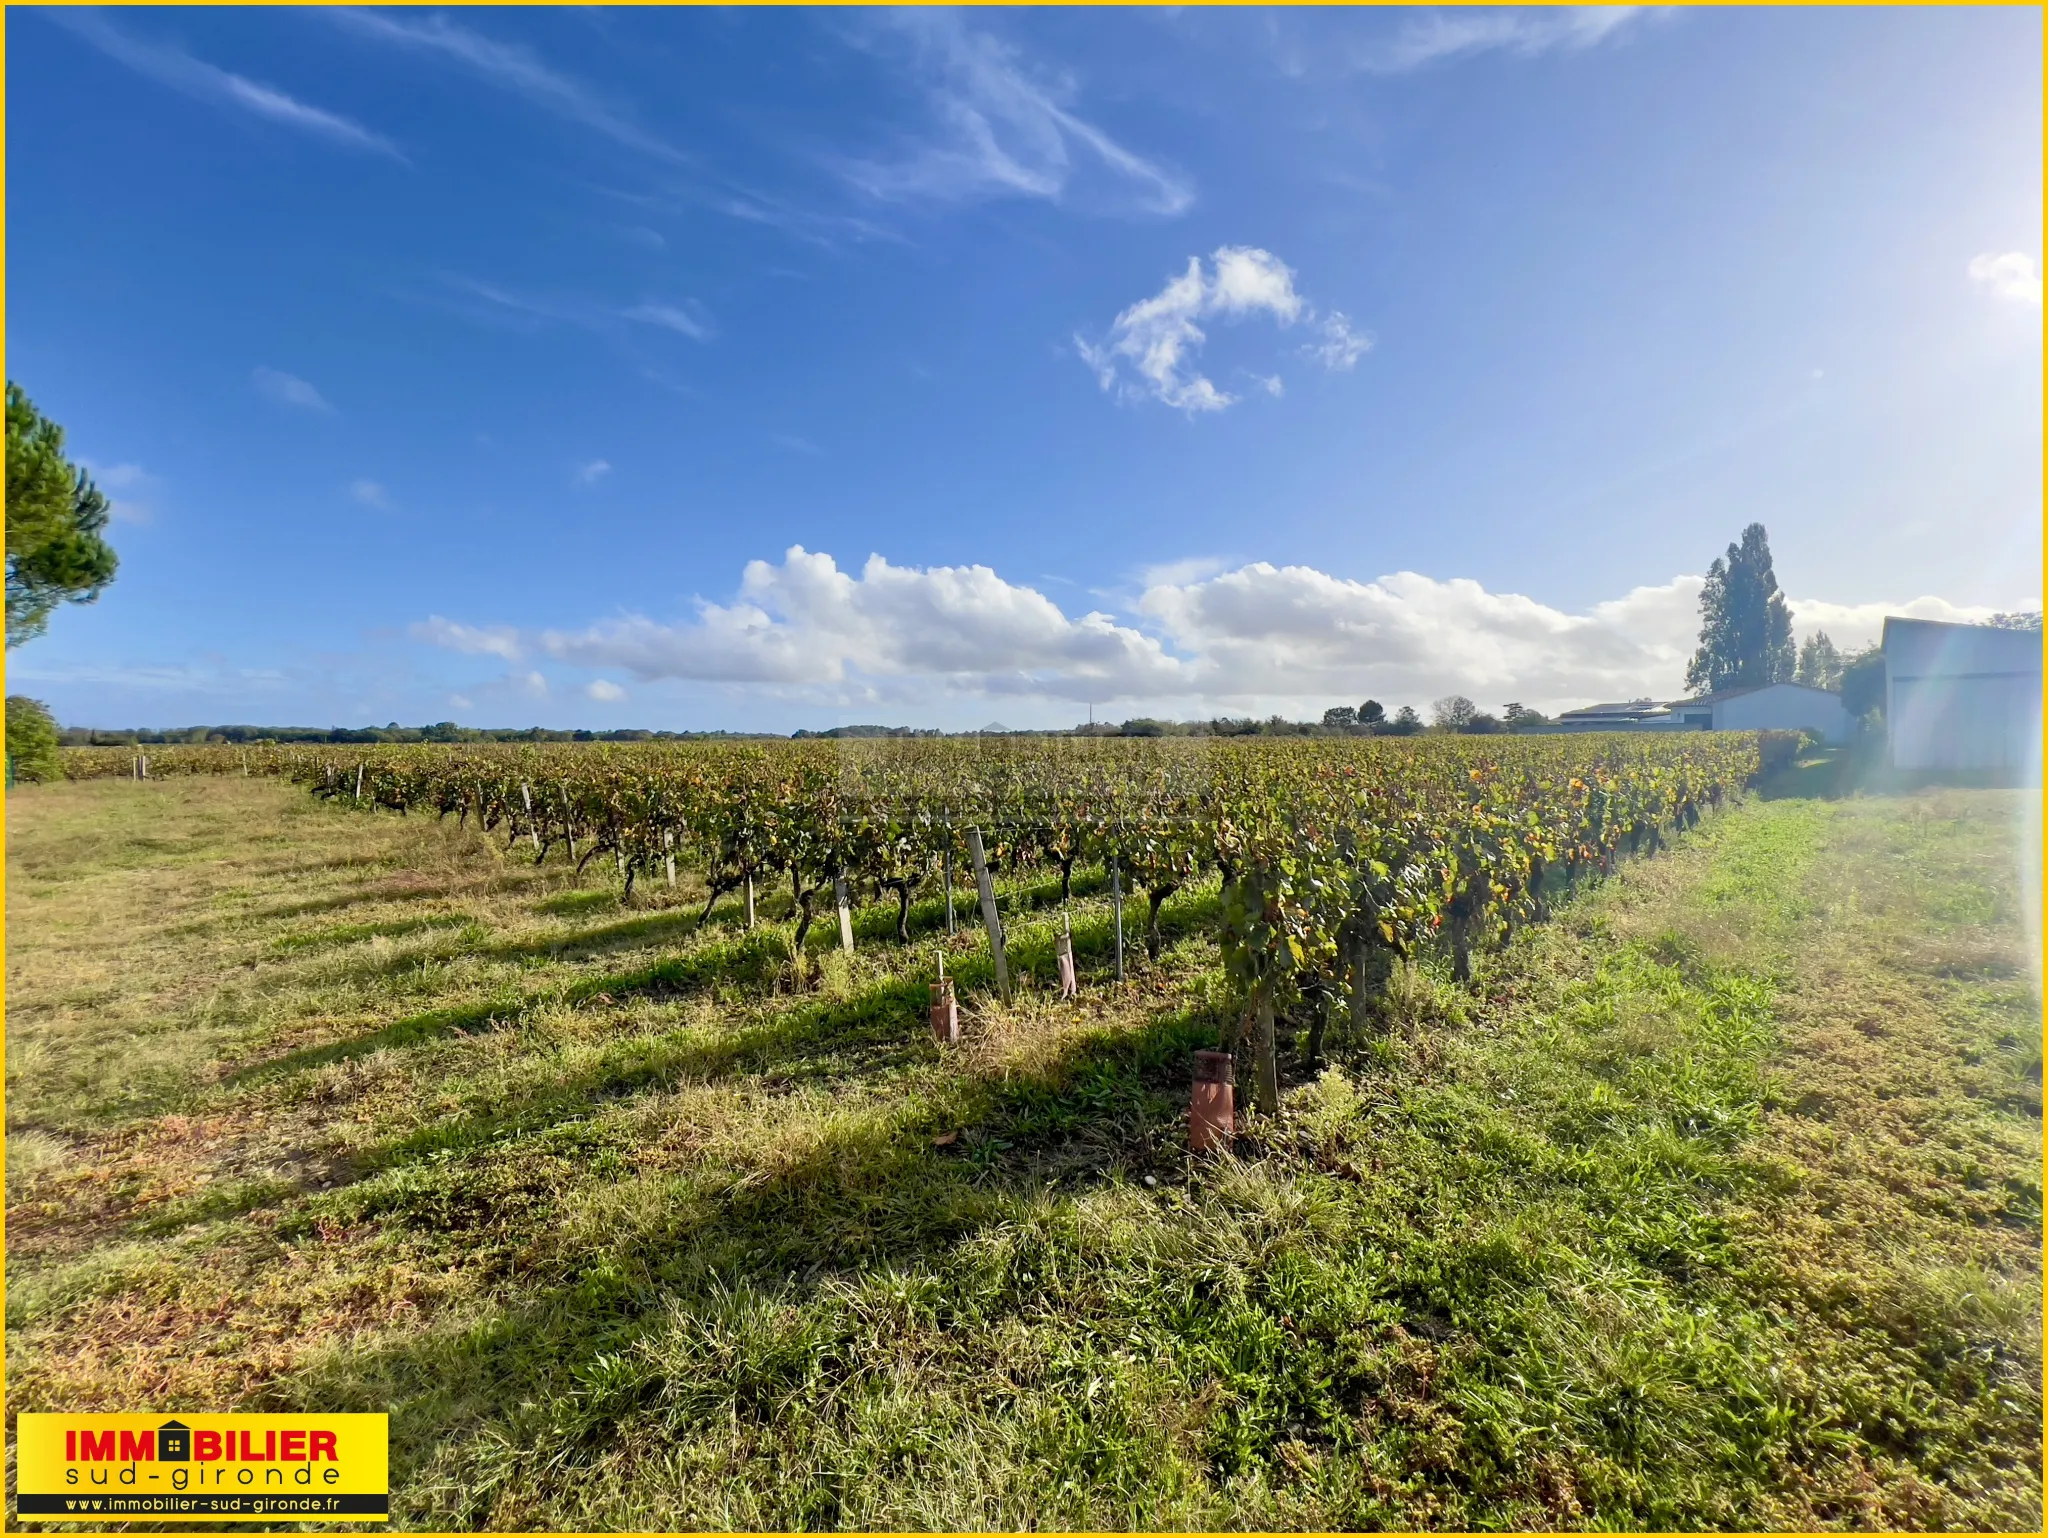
x,y
441,731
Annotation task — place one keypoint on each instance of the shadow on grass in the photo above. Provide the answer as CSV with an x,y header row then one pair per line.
x,y
879,1029
554,1361
755,957
1832,773
348,934
1820,776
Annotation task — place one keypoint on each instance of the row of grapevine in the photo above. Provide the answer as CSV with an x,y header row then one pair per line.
x,y
1336,856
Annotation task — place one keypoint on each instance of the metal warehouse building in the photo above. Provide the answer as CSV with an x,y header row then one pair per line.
x,y
1962,696
1757,707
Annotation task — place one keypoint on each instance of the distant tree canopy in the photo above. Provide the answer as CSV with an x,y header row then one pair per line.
x,y
1745,628
1862,680
1453,712
2027,620
55,522
1339,717
1371,713
1406,723
1518,715
1820,662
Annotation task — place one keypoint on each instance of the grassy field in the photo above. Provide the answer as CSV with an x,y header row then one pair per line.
x,y
1714,1203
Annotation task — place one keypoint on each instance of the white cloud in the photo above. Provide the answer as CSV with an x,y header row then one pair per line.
x,y
1004,129
289,389
805,622
1156,338
471,640
461,702
371,494
2010,275
514,68
1341,347
532,684
1192,568
1248,279
604,689
593,472
1255,639
206,82
1852,626
1436,35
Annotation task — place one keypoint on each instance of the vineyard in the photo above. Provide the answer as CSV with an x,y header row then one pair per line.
x,y
1622,1137
1336,860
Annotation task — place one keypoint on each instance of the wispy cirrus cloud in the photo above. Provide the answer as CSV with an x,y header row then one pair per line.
x,y
1431,36
196,78
689,320
515,69
289,389
371,494
684,318
470,640
1151,347
1002,127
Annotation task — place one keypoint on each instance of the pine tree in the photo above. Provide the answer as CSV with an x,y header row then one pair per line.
x,y
56,522
1745,628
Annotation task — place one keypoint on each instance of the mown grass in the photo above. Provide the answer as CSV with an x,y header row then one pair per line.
x,y
1714,1203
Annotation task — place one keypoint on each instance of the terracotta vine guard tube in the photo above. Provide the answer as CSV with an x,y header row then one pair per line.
x,y
1212,1102
945,1010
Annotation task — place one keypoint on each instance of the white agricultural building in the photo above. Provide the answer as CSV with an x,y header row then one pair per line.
x,y
1962,696
1763,707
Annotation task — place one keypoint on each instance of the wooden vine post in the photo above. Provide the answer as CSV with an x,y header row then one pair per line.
x,y
989,917
1265,1052
949,890
532,823
1116,906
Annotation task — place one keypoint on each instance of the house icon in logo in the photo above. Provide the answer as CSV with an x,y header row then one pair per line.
x,y
174,1442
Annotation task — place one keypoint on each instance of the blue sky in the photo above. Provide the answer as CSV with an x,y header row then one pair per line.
x,y
773,369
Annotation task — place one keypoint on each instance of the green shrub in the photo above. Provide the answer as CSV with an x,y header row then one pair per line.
x,y
32,751
1777,750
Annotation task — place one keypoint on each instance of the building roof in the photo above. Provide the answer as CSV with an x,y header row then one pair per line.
x,y
1650,710
1925,648
1630,710
1729,694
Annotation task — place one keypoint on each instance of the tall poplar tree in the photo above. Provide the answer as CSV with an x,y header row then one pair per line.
x,y
1745,628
